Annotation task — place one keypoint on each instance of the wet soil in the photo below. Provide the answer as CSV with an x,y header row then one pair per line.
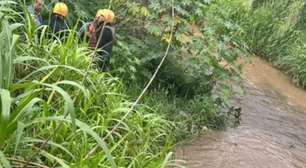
x,y
272,133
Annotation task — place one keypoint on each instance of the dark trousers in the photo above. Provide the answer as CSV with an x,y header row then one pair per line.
x,y
103,61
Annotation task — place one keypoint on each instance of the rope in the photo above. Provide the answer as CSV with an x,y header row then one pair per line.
x,y
93,150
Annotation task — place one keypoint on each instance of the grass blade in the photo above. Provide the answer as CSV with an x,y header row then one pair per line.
x,y
165,162
69,105
84,127
3,161
19,132
5,105
34,140
54,158
75,84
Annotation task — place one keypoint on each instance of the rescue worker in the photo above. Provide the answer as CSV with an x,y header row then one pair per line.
x,y
101,34
35,10
57,22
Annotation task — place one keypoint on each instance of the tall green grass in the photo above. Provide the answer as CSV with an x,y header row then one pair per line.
x,y
56,85
270,29
284,44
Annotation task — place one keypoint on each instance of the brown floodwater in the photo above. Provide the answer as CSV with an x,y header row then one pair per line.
x,y
272,133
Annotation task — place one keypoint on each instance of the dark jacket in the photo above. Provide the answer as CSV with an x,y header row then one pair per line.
x,y
101,38
107,39
58,26
106,35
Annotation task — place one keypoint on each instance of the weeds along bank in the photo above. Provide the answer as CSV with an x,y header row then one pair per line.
x,y
56,108
272,29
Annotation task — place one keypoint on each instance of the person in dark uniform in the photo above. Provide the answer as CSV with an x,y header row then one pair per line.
x,y
100,35
57,23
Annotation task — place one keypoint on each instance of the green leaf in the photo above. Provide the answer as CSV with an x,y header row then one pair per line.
x,y
19,132
3,161
51,143
23,107
69,105
165,162
72,83
20,60
54,158
84,127
2,3
51,67
155,30
5,105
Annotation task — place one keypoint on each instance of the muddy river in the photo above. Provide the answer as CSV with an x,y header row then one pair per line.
x,y
272,133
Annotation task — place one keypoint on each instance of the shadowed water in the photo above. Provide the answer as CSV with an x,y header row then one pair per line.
x,y
272,133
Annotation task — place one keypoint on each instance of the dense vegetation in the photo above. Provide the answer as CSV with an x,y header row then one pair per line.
x,y
57,110
272,29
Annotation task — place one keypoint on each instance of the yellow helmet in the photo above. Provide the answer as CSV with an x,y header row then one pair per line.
x,y
107,14
61,9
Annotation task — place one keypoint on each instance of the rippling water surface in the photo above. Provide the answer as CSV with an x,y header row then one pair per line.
x,y
272,133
